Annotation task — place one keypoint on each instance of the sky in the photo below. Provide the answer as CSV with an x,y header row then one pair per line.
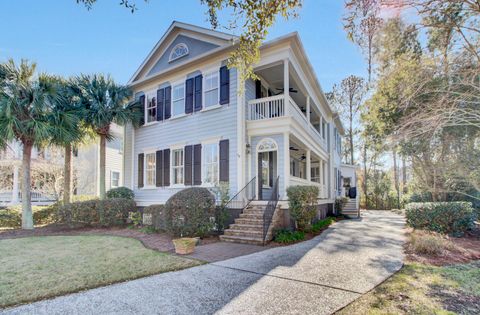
x,y
64,38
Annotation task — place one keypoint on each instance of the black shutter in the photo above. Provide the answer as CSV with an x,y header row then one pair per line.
x,y
224,159
188,165
159,169
189,96
224,85
168,102
197,164
160,103
141,99
258,89
140,170
198,92
166,167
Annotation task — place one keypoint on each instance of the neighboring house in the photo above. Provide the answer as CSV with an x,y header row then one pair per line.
x,y
200,130
47,170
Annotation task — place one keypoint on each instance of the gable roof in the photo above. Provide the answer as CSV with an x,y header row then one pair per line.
x,y
218,38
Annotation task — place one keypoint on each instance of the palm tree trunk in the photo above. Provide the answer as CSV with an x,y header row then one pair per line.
x,y
27,216
67,188
102,166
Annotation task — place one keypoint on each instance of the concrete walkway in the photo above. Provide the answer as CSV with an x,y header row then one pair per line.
x,y
318,276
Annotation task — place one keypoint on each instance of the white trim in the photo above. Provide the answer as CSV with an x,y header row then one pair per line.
x,y
204,144
264,140
172,170
176,84
111,176
172,51
145,153
207,109
206,72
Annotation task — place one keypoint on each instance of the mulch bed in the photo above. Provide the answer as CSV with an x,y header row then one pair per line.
x,y
466,249
157,241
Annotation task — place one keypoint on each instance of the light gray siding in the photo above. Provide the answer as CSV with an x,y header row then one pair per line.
x,y
188,130
196,47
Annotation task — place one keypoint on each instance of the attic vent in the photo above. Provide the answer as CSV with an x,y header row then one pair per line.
x,y
178,51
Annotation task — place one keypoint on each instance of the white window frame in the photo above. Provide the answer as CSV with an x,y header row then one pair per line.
x,y
111,179
205,73
172,100
146,169
148,97
204,163
266,178
173,167
172,52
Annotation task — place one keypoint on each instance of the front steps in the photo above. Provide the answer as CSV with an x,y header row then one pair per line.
x,y
248,228
350,209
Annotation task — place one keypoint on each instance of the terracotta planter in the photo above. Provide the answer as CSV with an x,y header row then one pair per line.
x,y
185,245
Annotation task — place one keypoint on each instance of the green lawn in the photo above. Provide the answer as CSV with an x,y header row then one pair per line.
x,y
40,267
424,289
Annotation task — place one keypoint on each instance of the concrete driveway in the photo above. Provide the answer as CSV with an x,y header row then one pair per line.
x,y
318,276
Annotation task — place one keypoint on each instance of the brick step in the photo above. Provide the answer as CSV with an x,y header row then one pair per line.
x,y
242,239
251,216
253,211
249,221
244,233
251,227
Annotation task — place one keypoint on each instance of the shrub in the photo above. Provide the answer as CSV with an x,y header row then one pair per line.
x,y
429,243
340,204
10,218
157,213
320,225
190,212
286,236
45,215
442,217
110,212
302,202
120,192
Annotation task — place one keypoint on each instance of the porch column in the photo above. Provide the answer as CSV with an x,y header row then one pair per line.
x,y
309,165
308,108
286,166
286,86
15,185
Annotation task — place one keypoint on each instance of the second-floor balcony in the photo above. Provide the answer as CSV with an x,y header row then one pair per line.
x,y
295,107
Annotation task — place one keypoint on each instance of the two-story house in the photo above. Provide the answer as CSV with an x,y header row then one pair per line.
x,y
203,126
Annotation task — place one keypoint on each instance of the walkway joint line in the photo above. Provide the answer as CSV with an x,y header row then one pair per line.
x,y
285,278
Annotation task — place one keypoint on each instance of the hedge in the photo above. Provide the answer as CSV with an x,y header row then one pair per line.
x,y
105,213
302,202
10,218
442,217
190,212
120,192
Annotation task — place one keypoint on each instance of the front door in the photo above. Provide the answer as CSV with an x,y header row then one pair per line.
x,y
267,166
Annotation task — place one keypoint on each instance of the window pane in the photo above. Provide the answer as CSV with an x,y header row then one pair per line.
x,y
211,98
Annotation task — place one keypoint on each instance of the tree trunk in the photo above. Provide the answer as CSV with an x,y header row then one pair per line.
x,y
103,141
395,176
351,134
27,216
404,175
365,174
67,188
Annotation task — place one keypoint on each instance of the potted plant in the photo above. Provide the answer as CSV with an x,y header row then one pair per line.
x,y
184,245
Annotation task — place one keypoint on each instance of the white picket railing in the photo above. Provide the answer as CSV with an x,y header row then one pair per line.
x,y
266,108
297,181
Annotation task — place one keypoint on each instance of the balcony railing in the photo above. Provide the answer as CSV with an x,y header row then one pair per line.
x,y
297,181
274,106
266,108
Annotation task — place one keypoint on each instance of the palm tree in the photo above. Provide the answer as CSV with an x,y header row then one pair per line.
x,y
106,103
71,102
28,115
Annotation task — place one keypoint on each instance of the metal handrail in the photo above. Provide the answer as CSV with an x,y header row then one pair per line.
x,y
270,209
243,198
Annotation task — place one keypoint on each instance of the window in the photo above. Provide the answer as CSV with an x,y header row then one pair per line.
x,y
210,163
115,179
178,51
315,174
150,160
152,110
211,88
178,99
177,166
